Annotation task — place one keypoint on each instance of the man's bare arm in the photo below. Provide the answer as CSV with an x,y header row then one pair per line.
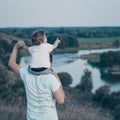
x,y
59,94
12,61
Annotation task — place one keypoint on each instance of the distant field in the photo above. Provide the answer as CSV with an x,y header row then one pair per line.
x,y
97,40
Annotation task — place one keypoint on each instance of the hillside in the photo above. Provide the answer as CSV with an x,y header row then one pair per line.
x,y
8,38
73,38
76,107
68,42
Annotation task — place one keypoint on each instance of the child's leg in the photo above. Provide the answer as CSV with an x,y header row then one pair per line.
x,y
39,71
44,72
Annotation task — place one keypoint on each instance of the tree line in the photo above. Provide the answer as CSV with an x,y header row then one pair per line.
x,y
82,32
109,59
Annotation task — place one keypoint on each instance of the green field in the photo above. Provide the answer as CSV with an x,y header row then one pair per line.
x,y
97,40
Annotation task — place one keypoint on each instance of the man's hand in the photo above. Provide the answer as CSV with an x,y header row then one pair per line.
x,y
12,60
20,44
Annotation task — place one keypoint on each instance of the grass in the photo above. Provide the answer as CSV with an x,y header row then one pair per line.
x,y
72,109
71,112
97,40
12,112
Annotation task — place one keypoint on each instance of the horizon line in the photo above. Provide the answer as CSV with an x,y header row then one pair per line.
x,y
58,26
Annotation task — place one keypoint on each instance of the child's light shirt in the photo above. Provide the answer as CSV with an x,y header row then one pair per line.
x,y
40,55
39,93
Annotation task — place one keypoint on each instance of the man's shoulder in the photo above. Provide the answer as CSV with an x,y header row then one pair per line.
x,y
51,76
30,48
23,69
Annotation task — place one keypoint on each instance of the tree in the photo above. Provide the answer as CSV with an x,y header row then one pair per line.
x,y
86,84
66,40
117,112
110,58
115,99
65,78
5,45
102,96
115,104
116,43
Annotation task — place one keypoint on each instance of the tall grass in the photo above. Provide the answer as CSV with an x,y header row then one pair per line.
x,y
74,108
78,107
12,112
72,112
83,113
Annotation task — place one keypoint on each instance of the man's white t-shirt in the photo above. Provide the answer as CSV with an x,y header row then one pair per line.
x,y
41,103
40,55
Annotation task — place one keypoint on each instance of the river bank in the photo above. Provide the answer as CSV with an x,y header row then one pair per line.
x,y
110,74
87,46
73,64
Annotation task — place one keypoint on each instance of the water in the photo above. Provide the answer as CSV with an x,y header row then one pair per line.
x,y
69,63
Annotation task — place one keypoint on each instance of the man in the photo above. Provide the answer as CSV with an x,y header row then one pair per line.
x,y
42,91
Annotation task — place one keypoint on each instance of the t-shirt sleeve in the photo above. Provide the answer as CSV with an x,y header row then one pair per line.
x,y
49,47
22,73
29,49
54,84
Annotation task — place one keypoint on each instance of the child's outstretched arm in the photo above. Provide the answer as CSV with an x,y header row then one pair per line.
x,y
56,43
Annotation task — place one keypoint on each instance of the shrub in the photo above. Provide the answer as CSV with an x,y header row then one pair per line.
x,y
86,82
102,96
65,78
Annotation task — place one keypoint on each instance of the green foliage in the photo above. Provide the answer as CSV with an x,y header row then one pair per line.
x,y
116,43
115,99
110,58
3,81
5,49
66,40
115,104
91,32
81,32
86,84
102,96
5,45
11,87
65,78
117,112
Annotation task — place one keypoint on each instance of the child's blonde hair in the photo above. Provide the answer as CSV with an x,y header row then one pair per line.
x,y
37,37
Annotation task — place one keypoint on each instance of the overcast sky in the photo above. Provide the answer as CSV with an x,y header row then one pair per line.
x,y
34,13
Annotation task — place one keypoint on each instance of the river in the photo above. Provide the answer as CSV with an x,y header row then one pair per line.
x,y
69,63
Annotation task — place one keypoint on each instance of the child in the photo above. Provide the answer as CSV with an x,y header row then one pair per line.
x,y
40,51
